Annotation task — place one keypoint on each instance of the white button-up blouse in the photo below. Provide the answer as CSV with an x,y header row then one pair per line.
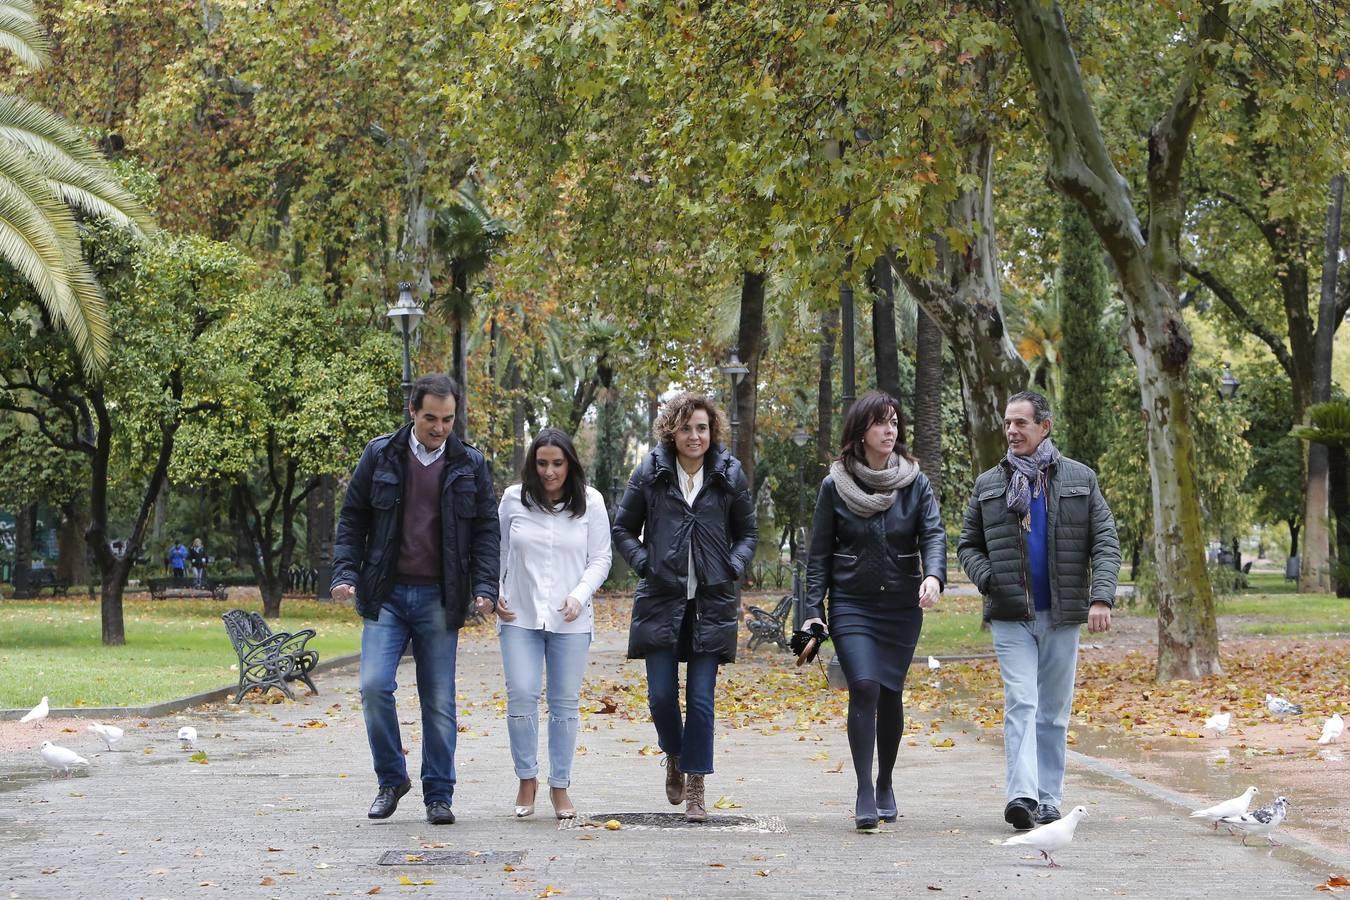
x,y
548,556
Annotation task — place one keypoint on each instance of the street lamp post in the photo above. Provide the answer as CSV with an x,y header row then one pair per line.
x,y
408,314
1228,383
736,371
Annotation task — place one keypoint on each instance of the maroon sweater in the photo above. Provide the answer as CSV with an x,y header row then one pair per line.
x,y
419,551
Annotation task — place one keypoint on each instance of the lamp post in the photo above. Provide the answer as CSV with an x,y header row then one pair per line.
x,y
736,371
408,315
1228,383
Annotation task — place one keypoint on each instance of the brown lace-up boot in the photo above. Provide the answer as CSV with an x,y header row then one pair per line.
x,y
674,780
693,800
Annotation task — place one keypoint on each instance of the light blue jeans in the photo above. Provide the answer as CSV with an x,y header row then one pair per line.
x,y
525,654
1038,662
413,614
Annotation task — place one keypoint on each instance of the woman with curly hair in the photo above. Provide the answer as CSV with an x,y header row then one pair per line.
x,y
879,551
690,501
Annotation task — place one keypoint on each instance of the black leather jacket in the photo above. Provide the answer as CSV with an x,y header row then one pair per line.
x,y
371,524
877,559
721,527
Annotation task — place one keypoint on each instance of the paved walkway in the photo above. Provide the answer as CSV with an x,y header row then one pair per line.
x,y
279,810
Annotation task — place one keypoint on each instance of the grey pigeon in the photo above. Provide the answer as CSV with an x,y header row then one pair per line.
x,y
1282,707
1263,821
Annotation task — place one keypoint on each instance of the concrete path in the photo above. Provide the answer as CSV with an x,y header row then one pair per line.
x,y
279,811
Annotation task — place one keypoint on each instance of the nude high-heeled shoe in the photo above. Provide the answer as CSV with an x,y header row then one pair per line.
x,y
524,810
562,804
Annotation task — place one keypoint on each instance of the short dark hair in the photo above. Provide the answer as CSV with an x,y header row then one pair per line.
x,y
1040,407
869,409
574,488
437,385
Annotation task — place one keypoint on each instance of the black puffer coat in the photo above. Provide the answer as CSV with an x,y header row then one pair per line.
x,y
721,526
371,525
874,558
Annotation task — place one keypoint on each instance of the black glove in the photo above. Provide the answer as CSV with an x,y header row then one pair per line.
x,y
806,644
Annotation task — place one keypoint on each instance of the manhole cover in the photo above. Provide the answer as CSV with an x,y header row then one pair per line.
x,y
450,857
647,821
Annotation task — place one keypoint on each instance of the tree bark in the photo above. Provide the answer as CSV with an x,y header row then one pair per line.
x,y
73,562
1156,336
321,532
927,442
829,326
885,346
1340,508
23,549
750,349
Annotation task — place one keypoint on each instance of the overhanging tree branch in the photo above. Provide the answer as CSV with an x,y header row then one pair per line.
x,y
1242,314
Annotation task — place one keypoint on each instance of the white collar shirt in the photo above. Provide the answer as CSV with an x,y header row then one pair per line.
x,y
421,453
547,557
690,485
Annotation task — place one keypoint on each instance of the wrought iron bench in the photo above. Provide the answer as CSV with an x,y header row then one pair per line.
x,y
160,588
769,627
269,659
38,579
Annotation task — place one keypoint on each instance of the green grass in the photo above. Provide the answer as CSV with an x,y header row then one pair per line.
x,y
174,648
1288,613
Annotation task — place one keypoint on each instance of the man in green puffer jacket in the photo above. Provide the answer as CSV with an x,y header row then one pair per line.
x,y
1039,542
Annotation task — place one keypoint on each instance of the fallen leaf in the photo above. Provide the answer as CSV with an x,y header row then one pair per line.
x,y
404,879
762,873
942,743
198,757
414,857
507,867
549,891
613,825
374,890
717,865
206,884
725,802
322,866
267,880
934,887
648,750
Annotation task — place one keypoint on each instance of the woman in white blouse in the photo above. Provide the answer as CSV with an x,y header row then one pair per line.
x,y
555,554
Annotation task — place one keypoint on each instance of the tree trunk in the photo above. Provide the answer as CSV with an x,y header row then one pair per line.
x,y
829,325
1340,508
750,348
965,299
72,563
1316,571
460,348
515,385
24,518
928,378
1083,168
112,584
321,532
885,346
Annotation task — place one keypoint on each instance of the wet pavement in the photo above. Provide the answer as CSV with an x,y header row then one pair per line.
x,y
278,809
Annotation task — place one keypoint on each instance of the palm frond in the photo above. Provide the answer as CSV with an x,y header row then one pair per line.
x,y
22,35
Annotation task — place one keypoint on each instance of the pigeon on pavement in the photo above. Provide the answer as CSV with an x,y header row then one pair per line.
x,y
61,759
1219,722
111,734
1052,838
1235,807
188,735
1263,821
37,713
1282,707
1332,729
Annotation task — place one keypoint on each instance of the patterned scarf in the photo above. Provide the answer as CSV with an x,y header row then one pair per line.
x,y
1028,479
886,482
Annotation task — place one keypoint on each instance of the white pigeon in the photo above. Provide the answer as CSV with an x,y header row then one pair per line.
x,y
37,713
1263,821
61,759
933,663
1282,707
1236,807
1332,729
111,734
188,735
1219,722
1050,838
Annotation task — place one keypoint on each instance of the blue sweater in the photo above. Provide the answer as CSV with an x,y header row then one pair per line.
x,y
1038,559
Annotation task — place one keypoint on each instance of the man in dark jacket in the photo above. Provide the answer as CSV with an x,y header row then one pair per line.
x,y
1040,544
416,540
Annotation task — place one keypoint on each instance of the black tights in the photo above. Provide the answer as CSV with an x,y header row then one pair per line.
x,y
876,715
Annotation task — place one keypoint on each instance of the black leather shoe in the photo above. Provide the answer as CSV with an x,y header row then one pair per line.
x,y
1020,813
439,813
1045,814
386,801
866,824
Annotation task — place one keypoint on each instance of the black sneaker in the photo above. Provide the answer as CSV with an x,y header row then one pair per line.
x,y
439,813
386,801
1045,814
1020,813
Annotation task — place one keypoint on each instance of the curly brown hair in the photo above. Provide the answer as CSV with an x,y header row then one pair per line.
x,y
678,410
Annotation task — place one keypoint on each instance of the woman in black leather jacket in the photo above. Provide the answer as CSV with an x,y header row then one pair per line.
x,y
879,550
691,502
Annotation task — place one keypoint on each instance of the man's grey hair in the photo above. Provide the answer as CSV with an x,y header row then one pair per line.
x,y
1040,406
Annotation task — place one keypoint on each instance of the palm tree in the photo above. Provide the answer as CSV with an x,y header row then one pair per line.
x,y
46,168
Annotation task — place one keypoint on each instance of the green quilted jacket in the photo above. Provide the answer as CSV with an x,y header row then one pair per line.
x,y
1081,541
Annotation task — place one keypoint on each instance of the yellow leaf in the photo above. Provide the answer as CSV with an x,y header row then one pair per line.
x,y
941,743
725,802
413,857
649,750
613,825
549,891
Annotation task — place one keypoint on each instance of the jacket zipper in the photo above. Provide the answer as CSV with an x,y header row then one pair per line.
x,y
1026,575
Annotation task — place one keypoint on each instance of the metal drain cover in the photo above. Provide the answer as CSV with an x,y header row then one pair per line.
x,y
650,821
450,857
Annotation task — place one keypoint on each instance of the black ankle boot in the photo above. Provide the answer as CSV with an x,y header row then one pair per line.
x,y
886,808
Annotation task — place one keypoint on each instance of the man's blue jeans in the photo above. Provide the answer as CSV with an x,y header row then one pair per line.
x,y
525,652
412,613
691,739
1038,662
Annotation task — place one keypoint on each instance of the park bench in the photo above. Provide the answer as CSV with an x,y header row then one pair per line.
x,y
769,627
161,588
46,578
269,659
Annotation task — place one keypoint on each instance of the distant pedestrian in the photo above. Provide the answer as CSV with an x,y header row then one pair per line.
x,y
416,544
555,554
690,502
197,560
178,555
879,551
1040,544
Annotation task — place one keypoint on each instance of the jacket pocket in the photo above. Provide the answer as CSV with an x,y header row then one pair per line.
x,y
465,497
383,492
1074,502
